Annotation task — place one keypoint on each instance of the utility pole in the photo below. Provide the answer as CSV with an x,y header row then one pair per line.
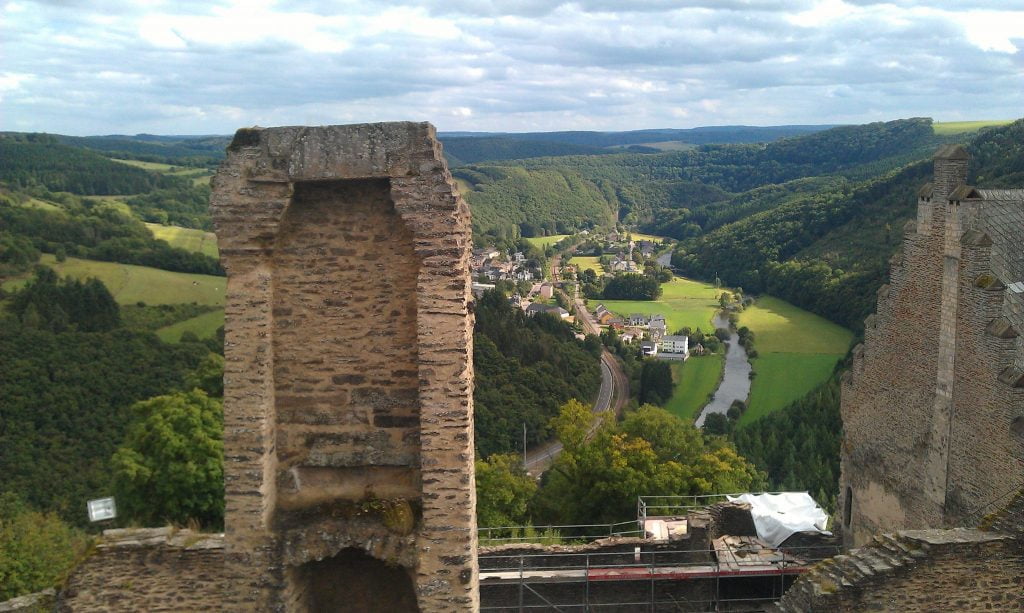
x,y
524,445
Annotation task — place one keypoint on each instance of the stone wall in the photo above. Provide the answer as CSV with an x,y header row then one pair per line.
x,y
348,378
931,407
155,569
917,571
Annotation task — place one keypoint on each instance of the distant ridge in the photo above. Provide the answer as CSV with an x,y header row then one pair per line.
x,y
697,136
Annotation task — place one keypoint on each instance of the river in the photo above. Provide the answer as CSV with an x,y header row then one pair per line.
x,y
735,379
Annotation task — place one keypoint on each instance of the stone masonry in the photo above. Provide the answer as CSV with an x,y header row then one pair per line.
x,y
348,434
933,407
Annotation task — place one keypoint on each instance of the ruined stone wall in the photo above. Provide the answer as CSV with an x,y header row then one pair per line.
x,y
348,377
917,571
928,412
156,569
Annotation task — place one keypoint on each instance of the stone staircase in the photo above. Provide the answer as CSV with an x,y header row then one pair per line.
x,y
886,556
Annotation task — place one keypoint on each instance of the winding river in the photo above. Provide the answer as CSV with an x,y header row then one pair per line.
x,y
735,383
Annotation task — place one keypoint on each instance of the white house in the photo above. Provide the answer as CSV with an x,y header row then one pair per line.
x,y
676,345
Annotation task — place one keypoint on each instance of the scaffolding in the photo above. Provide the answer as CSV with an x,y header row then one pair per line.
x,y
691,580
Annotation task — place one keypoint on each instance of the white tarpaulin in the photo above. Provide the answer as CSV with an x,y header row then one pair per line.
x,y
778,516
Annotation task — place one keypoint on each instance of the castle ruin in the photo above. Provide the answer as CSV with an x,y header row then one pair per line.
x,y
348,434
933,407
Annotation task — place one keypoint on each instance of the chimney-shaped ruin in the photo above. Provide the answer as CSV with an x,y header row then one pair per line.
x,y
348,415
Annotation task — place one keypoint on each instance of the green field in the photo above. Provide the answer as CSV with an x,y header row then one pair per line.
x,y
543,241
695,380
199,241
168,169
203,326
588,263
785,377
960,127
640,236
796,350
683,303
130,284
781,327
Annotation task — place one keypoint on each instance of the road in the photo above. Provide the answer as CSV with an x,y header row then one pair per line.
x,y
614,394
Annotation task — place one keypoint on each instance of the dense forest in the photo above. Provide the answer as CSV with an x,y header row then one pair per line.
x,y
526,367
31,160
684,193
69,370
827,250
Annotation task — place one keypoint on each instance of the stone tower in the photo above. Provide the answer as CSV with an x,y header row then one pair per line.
x,y
933,407
348,434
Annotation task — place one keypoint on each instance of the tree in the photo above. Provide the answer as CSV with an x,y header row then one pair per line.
x,y
170,467
503,490
572,424
208,376
650,453
655,382
36,549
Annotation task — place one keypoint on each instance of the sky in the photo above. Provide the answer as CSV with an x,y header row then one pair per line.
x,y
209,67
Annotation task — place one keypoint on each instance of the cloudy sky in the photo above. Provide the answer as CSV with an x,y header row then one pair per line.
x,y
211,66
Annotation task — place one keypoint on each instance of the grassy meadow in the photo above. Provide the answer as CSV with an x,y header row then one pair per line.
x,y
640,236
588,263
683,302
695,380
203,326
191,239
130,284
541,242
944,128
796,351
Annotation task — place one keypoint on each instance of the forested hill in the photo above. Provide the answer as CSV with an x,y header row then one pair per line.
x,y
184,150
673,193
828,250
694,136
463,151
27,160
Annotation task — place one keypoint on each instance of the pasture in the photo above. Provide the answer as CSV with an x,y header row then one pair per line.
x,y
130,284
202,326
779,326
784,377
640,236
541,242
944,128
190,239
588,263
683,302
797,351
695,380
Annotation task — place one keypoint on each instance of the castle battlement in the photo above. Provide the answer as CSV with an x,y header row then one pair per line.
x,y
933,408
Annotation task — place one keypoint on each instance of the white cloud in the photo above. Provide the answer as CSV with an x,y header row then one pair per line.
x,y
185,66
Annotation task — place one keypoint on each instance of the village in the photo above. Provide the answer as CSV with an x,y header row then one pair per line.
x,y
546,288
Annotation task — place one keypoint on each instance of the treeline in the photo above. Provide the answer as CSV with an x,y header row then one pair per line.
x,y
798,446
674,193
44,162
632,286
88,230
758,252
696,136
473,150
525,368
67,380
502,198
194,152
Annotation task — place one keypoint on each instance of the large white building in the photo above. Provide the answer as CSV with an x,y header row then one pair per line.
x,y
675,345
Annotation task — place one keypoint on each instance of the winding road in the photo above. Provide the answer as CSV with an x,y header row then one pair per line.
x,y
614,394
